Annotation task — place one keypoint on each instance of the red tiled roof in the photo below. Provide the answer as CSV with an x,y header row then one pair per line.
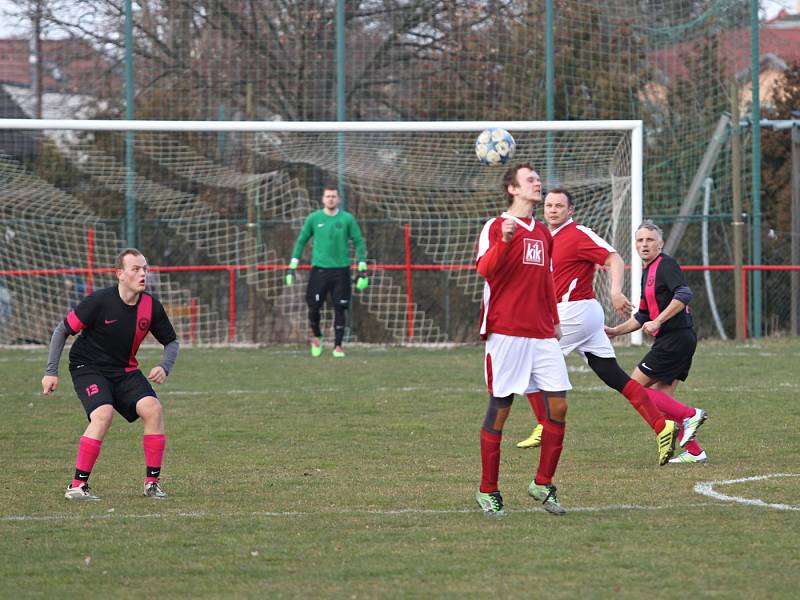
x,y
734,49
68,65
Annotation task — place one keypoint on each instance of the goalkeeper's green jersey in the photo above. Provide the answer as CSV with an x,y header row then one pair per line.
x,y
332,234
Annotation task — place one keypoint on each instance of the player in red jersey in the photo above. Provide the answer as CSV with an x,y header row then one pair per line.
x,y
519,322
112,323
664,314
576,252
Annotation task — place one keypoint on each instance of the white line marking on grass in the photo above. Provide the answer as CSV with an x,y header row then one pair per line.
x,y
321,390
344,512
706,488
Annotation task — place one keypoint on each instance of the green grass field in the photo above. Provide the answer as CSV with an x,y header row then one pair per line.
x,y
354,478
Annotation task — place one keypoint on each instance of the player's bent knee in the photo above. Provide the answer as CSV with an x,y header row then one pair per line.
x,y
102,415
149,408
608,370
497,413
556,404
643,379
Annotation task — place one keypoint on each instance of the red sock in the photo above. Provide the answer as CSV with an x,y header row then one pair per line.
x,y
673,409
490,460
537,404
552,443
644,405
88,451
154,445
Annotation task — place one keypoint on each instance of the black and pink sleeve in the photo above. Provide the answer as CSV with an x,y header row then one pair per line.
x,y
82,315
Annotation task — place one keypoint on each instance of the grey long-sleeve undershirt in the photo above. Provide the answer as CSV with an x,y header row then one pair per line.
x,y
170,356
60,336
57,342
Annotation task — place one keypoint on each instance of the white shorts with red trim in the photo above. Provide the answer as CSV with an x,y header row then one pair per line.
x,y
582,329
520,365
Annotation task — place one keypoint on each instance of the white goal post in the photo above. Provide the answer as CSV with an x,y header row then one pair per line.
x,y
615,162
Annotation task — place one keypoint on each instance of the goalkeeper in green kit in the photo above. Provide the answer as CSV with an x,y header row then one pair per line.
x,y
332,230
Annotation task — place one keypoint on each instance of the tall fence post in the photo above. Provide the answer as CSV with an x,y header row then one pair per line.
x,y
755,118
737,223
795,276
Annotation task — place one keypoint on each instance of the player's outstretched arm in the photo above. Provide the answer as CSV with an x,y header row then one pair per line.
x,y
627,327
673,308
57,341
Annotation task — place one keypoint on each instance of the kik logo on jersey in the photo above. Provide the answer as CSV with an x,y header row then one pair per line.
x,y
533,253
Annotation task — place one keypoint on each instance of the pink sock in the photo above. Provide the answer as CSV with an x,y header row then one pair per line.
x,y
693,448
673,409
153,445
88,451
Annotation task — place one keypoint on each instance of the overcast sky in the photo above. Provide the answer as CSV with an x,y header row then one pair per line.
x,y
8,28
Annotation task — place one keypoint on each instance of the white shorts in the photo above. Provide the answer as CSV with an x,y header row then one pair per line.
x,y
582,329
520,365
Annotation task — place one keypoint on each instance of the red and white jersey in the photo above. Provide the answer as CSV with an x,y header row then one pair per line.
x,y
518,296
576,251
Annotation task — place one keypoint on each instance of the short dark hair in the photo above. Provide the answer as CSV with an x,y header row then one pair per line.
x,y
566,192
120,261
510,177
330,186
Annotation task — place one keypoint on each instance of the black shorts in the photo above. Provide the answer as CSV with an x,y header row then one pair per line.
x,y
670,357
335,282
120,391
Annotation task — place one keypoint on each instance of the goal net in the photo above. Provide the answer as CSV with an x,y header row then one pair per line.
x,y
216,207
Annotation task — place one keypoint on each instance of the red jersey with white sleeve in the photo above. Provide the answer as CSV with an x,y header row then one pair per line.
x,y
518,295
576,251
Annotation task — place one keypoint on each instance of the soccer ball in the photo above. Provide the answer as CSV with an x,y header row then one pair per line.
x,y
495,146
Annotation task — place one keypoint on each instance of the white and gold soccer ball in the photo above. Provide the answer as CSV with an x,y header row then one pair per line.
x,y
495,146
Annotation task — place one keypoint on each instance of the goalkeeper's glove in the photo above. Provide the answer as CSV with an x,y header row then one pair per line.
x,y
362,281
292,269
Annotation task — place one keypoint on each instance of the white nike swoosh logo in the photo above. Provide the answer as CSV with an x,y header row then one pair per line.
x,y
644,366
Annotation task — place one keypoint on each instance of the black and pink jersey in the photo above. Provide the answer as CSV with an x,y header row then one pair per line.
x,y
660,279
112,331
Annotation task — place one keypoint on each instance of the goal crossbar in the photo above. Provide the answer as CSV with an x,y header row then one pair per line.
x,y
314,126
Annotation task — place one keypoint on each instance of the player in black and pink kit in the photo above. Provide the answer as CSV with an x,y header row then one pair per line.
x,y
520,324
112,323
664,314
